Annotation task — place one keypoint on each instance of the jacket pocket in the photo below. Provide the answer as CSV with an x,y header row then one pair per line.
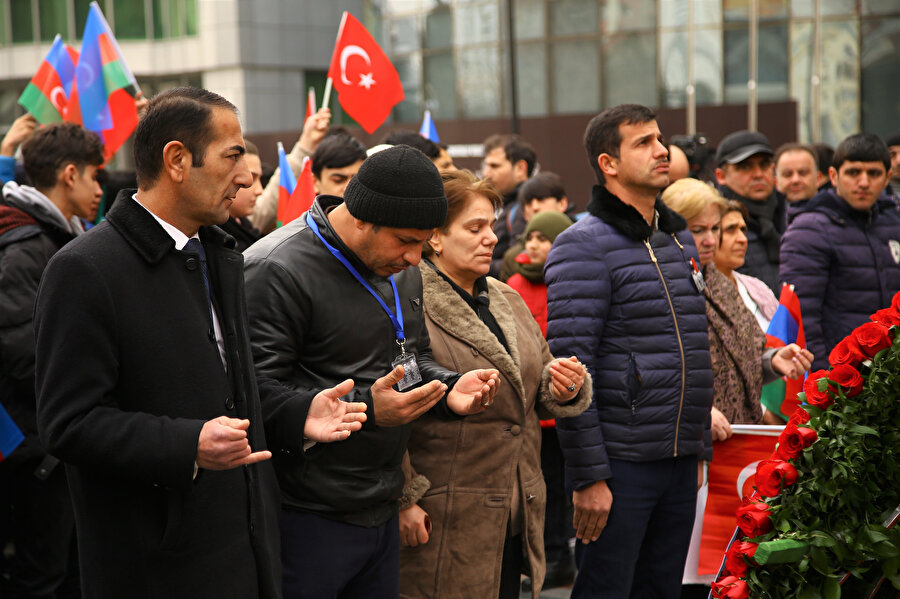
x,y
633,382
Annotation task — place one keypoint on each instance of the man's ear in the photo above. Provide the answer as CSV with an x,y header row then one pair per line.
x,y
720,175
68,175
609,166
520,170
833,175
563,203
317,184
176,159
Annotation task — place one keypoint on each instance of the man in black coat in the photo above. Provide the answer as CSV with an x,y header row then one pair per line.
x,y
146,388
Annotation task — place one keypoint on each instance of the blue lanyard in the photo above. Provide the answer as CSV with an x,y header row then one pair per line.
x,y
396,319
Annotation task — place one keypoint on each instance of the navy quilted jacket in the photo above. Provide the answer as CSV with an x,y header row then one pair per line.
x,y
844,264
622,300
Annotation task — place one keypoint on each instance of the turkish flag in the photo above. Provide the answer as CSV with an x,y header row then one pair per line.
x,y
731,478
367,84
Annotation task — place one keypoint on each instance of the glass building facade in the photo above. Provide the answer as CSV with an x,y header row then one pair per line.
x,y
579,56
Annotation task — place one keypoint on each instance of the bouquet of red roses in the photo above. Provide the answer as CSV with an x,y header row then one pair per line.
x,y
832,481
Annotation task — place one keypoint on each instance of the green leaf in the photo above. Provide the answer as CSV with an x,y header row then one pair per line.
x,y
831,589
862,430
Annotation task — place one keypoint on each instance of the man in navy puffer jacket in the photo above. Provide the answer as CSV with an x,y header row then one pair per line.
x,y
621,297
842,249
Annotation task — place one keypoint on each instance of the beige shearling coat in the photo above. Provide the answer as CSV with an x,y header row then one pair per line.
x,y
475,475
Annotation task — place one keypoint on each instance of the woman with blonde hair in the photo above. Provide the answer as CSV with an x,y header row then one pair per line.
x,y
472,513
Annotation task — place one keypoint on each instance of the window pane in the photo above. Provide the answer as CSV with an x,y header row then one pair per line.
x,y
440,85
130,19
739,10
801,76
707,68
81,12
880,63
630,70
569,17
772,64
404,35
479,86
475,24
629,15
53,19
3,40
839,91
439,29
576,77
529,19
879,7
674,14
22,21
160,13
190,17
532,79
409,69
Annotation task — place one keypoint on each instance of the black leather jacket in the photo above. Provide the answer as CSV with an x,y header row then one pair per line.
x,y
313,325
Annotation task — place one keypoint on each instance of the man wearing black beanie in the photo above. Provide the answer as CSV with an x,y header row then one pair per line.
x,y
336,294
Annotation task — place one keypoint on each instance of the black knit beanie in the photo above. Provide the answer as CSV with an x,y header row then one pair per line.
x,y
398,187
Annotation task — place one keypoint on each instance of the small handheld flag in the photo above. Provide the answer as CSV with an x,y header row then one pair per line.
x,y
367,84
103,95
286,182
786,327
310,103
47,94
302,198
428,130
10,435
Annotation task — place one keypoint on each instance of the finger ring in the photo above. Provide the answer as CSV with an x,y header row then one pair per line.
x,y
571,388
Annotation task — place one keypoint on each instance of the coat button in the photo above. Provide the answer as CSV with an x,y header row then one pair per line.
x,y
229,403
529,499
515,430
190,264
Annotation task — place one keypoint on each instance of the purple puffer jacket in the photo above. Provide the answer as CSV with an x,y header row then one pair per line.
x,y
844,263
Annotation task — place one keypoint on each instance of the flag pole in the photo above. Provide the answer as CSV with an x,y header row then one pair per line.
x,y
326,97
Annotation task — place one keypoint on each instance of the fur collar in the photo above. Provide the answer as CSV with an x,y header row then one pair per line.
x,y
627,219
142,231
448,311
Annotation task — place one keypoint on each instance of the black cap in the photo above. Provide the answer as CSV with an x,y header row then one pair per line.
x,y
398,187
740,145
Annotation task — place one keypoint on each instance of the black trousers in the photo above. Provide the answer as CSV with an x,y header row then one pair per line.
x,y
325,559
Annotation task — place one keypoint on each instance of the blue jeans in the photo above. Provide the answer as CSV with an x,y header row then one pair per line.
x,y
642,550
325,559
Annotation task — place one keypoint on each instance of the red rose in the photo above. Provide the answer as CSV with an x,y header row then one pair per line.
x,y
815,397
895,303
800,416
770,474
753,519
886,316
846,352
730,587
847,377
871,338
737,557
794,440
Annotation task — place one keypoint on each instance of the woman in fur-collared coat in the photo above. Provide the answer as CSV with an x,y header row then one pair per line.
x,y
472,512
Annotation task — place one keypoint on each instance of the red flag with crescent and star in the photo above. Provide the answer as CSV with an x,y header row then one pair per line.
x,y
367,84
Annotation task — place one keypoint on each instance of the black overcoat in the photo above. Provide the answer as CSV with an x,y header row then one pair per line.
x,y
127,372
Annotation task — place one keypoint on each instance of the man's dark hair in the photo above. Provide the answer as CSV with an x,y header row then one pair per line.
x,y
792,147
862,147
50,149
514,147
250,147
180,114
414,140
542,185
824,157
602,135
337,151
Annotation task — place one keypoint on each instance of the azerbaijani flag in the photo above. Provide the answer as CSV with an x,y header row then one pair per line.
x,y
428,130
786,327
286,184
10,435
102,98
47,94
302,197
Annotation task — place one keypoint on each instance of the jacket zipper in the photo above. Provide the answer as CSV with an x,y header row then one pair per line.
x,y
678,336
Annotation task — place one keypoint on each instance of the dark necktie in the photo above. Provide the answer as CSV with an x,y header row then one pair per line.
x,y
194,245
